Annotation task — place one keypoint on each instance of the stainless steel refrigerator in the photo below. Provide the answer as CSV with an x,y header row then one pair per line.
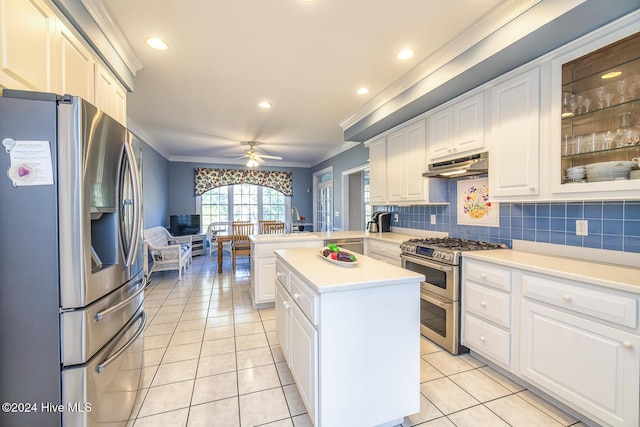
x,y
71,278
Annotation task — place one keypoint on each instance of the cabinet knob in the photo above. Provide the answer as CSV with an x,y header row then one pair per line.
x,y
567,298
532,188
627,344
484,276
483,339
286,305
483,303
296,296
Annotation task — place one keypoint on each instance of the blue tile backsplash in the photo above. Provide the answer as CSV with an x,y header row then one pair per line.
x,y
613,225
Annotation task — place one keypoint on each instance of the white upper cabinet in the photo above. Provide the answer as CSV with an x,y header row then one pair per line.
x,y
27,49
514,163
75,65
110,96
38,52
397,160
377,170
406,160
458,128
595,119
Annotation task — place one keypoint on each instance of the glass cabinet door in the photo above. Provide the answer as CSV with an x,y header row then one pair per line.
x,y
600,115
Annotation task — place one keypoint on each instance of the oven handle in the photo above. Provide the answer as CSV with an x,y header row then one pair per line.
x,y
435,266
435,301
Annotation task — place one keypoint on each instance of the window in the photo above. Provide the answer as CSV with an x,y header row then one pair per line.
x,y
243,202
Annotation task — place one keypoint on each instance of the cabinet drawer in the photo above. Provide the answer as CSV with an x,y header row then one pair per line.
x,y
282,276
304,298
488,340
600,304
488,303
388,252
488,274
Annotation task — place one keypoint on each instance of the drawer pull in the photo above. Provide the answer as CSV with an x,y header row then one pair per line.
x,y
483,304
627,344
483,339
567,298
296,296
484,276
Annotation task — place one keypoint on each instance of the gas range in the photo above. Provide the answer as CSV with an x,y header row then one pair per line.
x,y
445,250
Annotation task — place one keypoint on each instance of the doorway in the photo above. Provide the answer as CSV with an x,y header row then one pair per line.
x,y
323,200
355,198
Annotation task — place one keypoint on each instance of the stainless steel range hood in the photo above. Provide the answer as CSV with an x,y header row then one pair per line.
x,y
474,164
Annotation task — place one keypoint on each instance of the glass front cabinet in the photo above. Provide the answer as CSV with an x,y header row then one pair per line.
x,y
597,103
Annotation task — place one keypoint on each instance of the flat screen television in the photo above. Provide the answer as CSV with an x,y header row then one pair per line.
x,y
184,225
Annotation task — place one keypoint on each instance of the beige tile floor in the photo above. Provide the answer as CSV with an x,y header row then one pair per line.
x,y
211,360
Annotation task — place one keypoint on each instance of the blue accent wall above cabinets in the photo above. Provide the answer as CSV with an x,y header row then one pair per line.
x,y
612,225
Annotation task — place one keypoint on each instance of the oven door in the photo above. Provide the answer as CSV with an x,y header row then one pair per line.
x,y
441,279
439,319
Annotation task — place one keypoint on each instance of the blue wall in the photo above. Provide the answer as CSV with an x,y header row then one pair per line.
x,y
155,184
182,199
349,159
612,225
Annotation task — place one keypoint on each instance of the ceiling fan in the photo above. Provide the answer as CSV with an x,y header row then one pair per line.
x,y
254,156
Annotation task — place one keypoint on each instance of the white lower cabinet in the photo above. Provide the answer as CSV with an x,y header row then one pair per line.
x,y
577,343
353,354
383,251
591,366
303,358
263,268
486,319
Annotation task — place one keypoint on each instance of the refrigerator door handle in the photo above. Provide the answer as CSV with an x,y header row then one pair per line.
x,y
135,185
124,348
121,304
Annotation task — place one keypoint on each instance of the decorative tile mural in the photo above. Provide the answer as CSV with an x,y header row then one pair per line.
x,y
613,225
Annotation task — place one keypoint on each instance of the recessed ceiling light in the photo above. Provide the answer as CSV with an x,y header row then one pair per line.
x,y
264,104
405,54
362,91
611,75
156,43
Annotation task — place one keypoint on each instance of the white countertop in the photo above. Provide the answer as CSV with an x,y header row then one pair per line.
x,y
356,234
599,274
324,276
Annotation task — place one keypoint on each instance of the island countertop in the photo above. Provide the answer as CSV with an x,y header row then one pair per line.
x,y
391,237
325,276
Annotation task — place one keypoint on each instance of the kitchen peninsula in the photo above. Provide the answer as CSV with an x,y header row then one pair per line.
x,y
350,335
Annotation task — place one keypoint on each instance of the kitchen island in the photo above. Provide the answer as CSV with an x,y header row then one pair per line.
x,y
384,246
351,337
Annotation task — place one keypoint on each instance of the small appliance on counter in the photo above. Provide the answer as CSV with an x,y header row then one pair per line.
x,y
380,222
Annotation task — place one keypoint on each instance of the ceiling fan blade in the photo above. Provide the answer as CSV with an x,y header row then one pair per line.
x,y
258,159
237,156
264,156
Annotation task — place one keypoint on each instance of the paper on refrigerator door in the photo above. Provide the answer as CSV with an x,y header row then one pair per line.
x,y
30,163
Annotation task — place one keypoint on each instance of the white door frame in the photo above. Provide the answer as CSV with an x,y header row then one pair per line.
x,y
328,169
345,192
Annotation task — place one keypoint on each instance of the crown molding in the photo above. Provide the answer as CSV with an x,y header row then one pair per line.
x,y
489,24
334,152
100,13
141,134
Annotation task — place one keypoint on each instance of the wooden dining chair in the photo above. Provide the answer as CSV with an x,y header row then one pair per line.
x,y
274,227
240,244
263,224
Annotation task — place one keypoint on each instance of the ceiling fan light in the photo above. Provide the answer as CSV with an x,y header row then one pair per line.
x,y
252,163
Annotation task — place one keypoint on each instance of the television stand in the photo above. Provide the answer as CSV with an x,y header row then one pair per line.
x,y
198,244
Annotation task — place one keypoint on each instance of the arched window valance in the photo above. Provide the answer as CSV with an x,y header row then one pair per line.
x,y
207,178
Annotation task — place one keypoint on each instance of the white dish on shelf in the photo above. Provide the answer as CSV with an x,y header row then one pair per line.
x,y
335,261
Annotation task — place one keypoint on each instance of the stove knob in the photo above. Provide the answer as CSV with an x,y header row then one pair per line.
x,y
437,254
448,257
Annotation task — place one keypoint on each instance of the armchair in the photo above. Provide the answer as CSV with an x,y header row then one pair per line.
x,y
167,251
